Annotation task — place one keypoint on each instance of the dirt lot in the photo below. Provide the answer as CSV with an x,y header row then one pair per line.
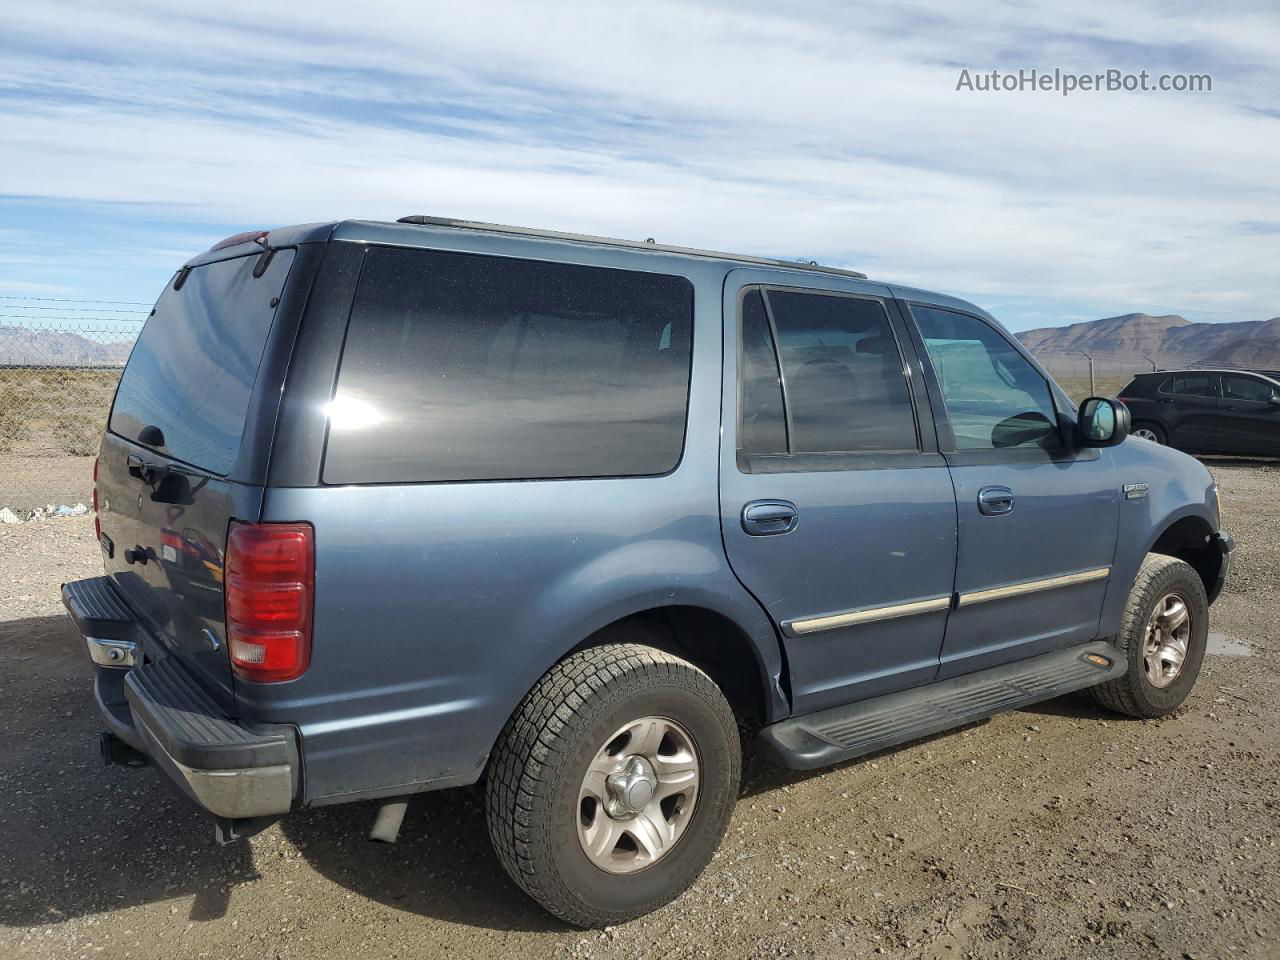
x,y
1053,832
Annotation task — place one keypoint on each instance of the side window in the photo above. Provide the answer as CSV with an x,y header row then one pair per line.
x,y
1247,388
995,399
846,390
1190,385
763,426
465,367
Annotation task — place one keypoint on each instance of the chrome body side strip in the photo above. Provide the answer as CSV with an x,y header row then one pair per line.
x,y
1033,586
851,618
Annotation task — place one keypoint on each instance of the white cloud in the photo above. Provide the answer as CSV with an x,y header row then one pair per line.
x,y
826,131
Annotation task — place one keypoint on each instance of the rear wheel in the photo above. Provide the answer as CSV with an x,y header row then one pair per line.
x,y
613,783
1163,636
1149,431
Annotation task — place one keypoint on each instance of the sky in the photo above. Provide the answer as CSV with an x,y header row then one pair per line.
x,y
135,135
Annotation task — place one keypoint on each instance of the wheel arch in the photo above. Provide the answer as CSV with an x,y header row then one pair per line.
x,y
1189,538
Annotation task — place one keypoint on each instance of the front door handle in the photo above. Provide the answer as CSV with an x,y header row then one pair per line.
x,y
767,518
995,501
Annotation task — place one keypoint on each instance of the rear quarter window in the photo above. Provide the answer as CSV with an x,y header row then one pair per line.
x,y
465,367
193,369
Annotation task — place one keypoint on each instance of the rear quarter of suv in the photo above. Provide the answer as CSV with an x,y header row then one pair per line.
x,y
387,508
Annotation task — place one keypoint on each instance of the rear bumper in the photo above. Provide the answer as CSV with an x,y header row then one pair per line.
x,y
1226,544
230,770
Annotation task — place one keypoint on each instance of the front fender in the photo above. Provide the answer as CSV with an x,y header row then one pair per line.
x,y
1177,486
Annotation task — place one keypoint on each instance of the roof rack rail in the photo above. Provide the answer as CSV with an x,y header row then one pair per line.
x,y
428,221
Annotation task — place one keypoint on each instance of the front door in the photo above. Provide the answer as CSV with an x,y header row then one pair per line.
x,y
1037,519
1249,416
837,510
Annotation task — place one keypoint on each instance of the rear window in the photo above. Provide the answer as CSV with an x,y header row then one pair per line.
x,y
193,368
464,367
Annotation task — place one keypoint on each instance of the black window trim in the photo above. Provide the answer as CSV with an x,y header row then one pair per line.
x,y
946,437
926,453
368,247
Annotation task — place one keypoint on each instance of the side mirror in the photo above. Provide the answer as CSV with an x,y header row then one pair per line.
x,y
1102,422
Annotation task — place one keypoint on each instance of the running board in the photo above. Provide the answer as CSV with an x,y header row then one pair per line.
x,y
829,736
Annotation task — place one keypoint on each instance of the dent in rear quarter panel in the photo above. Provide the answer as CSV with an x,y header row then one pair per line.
x,y
438,606
1178,486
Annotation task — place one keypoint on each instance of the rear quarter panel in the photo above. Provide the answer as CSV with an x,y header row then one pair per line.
x,y
438,606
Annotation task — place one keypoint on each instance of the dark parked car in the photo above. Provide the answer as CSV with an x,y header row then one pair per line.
x,y
387,508
1207,411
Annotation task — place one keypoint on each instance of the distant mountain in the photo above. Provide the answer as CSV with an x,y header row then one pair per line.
x,y
24,345
1170,340
1260,350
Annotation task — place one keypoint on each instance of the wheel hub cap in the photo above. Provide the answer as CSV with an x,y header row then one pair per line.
x,y
638,795
1164,648
630,791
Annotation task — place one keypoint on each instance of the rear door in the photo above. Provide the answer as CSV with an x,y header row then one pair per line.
x,y
1191,402
170,476
1249,415
1037,519
836,507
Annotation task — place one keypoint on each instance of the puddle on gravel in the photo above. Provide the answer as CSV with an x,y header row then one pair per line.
x,y
1224,646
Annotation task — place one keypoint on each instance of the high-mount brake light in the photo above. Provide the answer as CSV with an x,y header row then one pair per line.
x,y
270,586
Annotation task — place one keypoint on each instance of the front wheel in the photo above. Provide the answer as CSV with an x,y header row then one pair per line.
x,y
612,785
1163,635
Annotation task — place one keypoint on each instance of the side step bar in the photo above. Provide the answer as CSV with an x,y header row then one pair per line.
x,y
841,733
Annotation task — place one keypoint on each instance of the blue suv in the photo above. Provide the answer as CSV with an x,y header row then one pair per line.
x,y
387,508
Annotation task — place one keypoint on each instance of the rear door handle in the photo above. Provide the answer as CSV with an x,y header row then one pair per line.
x,y
995,501
767,518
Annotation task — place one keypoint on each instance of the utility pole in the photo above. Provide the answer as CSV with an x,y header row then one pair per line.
x,y
1093,382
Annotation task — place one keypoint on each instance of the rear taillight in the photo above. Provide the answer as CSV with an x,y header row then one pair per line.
x,y
270,582
97,520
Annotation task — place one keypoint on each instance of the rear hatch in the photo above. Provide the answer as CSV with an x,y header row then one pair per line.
x,y
172,473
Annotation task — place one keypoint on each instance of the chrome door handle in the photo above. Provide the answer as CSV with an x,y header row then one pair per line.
x,y
995,501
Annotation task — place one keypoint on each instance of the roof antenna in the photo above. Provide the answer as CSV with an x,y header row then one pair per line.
x,y
650,240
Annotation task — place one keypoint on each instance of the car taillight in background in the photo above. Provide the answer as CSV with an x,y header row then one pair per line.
x,y
97,520
270,583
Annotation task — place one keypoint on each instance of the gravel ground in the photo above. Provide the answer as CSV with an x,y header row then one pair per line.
x,y
1051,832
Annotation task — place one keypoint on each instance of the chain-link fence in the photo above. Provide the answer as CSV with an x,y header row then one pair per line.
x,y
59,363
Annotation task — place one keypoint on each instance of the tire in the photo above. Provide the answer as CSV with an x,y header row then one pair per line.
x,y
1137,693
1157,432
584,712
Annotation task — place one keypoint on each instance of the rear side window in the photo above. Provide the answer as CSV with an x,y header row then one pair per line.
x,y
1190,385
842,376
464,367
193,369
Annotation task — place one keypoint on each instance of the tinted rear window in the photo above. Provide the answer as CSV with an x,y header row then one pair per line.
x,y
464,367
193,368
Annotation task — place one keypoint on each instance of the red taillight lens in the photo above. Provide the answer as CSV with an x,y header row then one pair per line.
x,y
97,521
270,579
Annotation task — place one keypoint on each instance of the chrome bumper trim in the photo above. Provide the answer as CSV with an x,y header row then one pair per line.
x,y
112,653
